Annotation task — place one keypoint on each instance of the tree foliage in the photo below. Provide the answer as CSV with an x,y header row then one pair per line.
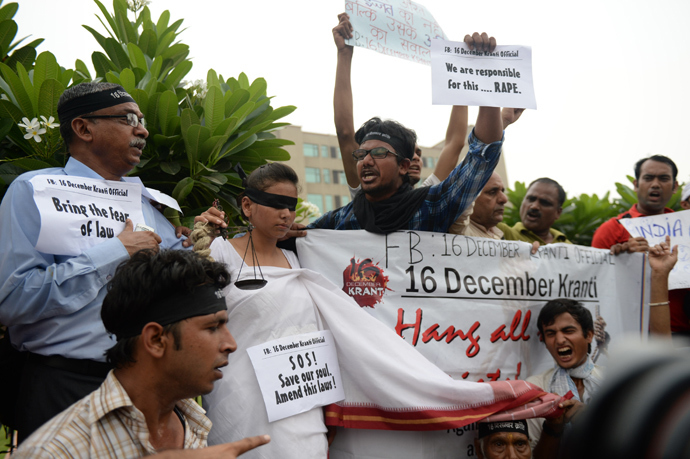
x,y
197,133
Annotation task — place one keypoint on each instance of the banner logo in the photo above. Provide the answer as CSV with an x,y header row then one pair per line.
x,y
365,282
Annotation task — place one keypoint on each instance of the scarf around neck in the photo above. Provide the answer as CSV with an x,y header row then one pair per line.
x,y
391,214
562,380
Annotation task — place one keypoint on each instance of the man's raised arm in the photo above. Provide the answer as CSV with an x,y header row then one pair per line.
x,y
342,100
455,141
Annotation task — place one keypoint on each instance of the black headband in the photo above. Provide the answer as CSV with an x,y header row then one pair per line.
x,y
397,143
488,428
277,201
205,299
91,102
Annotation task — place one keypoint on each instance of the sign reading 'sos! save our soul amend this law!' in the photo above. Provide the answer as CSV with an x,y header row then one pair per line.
x,y
79,212
297,373
501,78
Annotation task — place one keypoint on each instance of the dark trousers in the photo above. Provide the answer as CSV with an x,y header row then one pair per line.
x,y
51,384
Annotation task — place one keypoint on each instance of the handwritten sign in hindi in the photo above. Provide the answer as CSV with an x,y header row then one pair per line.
x,y
400,28
297,373
655,229
79,212
502,78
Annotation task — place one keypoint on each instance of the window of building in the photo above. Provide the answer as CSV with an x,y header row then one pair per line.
x,y
324,151
329,202
311,150
335,152
326,176
338,205
344,200
317,200
313,174
339,177
428,162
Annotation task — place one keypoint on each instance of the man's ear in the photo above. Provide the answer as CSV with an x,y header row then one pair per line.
x,y
675,186
635,185
478,448
82,129
153,341
404,166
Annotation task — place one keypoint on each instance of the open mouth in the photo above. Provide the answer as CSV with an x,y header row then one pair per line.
x,y
368,176
564,351
656,195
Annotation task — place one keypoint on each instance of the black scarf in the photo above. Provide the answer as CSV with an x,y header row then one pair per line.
x,y
391,214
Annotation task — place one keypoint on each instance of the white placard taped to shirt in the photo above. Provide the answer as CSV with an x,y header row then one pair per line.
x,y
79,212
297,373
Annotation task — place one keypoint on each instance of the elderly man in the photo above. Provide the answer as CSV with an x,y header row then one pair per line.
x,y
487,212
541,207
503,440
655,183
169,316
49,301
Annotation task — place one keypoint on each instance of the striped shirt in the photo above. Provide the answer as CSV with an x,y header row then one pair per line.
x,y
445,202
105,424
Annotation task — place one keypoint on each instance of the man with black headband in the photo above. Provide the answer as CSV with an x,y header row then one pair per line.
x,y
168,313
388,202
503,440
51,303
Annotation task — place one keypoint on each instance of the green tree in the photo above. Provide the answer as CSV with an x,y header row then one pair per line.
x,y
197,133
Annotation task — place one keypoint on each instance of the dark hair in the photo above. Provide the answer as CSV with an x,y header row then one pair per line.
x,y
559,188
659,159
75,91
150,276
268,175
392,128
555,308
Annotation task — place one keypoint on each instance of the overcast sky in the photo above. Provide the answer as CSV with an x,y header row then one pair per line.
x,y
612,78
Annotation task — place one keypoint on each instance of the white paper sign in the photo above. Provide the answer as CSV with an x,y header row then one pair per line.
x,y
655,229
78,212
297,373
400,28
502,78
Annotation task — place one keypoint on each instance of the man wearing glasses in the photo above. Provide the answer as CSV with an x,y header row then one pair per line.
x,y
388,202
51,303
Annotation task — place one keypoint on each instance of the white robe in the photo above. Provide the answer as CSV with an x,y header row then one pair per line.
x,y
388,384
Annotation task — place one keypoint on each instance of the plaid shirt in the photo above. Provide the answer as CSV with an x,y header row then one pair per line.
x,y
105,424
445,201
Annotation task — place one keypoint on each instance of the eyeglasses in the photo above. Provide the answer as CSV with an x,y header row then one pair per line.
x,y
132,119
376,153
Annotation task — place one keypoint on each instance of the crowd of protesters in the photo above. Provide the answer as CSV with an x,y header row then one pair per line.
x,y
114,342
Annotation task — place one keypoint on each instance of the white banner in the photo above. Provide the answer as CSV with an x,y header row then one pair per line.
x,y
470,305
655,229
399,28
502,78
297,373
87,211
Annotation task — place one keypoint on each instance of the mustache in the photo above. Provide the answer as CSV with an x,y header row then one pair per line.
x,y
138,143
534,213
